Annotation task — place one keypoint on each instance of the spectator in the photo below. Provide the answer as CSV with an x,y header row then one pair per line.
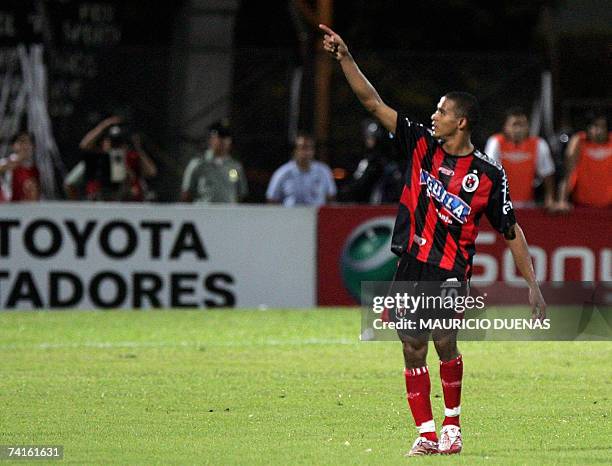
x,y
110,170
588,159
302,181
526,159
377,180
215,176
21,179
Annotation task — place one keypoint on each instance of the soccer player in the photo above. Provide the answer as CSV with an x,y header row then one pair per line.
x,y
449,185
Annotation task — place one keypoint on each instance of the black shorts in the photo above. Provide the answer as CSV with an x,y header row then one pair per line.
x,y
437,290
409,269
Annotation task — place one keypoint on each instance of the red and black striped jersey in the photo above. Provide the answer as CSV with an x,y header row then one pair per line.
x,y
444,198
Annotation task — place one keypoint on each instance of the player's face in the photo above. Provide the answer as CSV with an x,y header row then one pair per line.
x,y
516,128
304,149
444,121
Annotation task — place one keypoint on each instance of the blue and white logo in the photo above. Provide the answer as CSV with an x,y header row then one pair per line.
x,y
452,203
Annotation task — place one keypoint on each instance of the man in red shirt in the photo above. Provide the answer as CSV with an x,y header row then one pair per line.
x,y
525,158
588,161
21,177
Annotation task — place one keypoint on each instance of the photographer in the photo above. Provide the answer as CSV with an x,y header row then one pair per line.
x,y
111,169
377,178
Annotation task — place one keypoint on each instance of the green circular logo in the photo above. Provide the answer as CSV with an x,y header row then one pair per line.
x,y
367,256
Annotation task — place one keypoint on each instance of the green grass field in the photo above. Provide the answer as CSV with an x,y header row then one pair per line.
x,y
282,387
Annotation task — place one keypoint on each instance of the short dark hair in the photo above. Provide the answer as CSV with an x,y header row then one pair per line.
x,y
220,128
466,107
303,134
515,112
593,115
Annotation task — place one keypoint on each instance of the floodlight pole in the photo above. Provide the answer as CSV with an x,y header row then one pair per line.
x,y
322,79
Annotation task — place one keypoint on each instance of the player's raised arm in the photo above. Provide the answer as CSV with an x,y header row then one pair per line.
x,y
89,140
365,92
515,239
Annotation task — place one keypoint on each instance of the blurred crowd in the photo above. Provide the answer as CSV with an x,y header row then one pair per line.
x,y
113,165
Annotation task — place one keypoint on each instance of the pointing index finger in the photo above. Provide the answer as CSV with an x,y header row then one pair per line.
x,y
327,29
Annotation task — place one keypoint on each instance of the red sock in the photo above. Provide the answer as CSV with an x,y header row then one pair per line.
x,y
451,373
418,388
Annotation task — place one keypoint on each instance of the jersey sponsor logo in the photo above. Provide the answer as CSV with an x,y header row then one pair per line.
x,y
597,153
419,240
452,203
447,171
516,157
470,183
445,218
506,202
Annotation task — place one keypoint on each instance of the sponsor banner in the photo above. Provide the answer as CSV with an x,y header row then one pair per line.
x,y
69,255
354,246
573,247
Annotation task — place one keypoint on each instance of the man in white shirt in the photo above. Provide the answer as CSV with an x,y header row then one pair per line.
x,y
302,180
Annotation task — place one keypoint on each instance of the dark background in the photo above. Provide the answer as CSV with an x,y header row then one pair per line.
x,y
413,52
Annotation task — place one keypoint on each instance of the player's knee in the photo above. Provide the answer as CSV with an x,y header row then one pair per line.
x,y
414,349
446,348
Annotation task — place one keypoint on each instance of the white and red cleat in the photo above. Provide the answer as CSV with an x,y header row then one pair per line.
x,y
450,440
422,447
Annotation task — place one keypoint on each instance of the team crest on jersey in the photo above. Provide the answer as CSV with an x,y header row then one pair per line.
x,y
453,204
470,183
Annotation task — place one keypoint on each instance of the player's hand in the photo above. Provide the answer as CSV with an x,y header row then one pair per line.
x,y
538,305
333,43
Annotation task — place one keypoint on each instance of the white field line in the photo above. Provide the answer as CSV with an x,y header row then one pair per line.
x,y
179,344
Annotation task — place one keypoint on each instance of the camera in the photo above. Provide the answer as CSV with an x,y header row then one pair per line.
x,y
117,136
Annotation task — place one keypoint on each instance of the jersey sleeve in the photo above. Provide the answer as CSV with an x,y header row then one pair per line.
x,y
500,211
331,190
243,183
188,179
407,134
273,193
492,149
76,176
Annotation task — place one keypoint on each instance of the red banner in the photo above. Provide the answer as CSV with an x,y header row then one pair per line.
x,y
353,245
